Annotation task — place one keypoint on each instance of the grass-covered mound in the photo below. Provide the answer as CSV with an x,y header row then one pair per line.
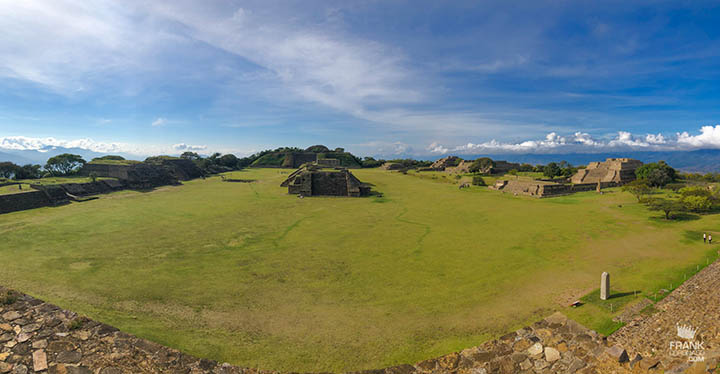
x,y
243,272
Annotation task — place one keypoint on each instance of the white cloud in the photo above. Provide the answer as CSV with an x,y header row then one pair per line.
x,y
709,137
314,62
655,139
44,144
187,147
159,122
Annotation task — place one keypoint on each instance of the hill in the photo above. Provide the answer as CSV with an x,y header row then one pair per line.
x,y
294,157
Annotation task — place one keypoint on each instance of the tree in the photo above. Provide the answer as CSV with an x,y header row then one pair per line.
x,y
658,174
229,160
696,203
29,171
64,164
513,172
482,165
190,156
666,206
110,157
370,162
638,188
552,170
478,181
8,170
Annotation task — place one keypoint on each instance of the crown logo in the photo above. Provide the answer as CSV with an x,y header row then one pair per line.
x,y
685,331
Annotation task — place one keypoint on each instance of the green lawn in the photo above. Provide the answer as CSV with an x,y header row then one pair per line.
x,y
244,273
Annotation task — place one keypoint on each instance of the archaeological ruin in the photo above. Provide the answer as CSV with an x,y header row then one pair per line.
x,y
314,180
612,170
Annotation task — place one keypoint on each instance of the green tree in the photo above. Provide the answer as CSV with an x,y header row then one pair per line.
x,y
478,181
8,170
482,165
29,171
658,174
638,188
64,164
190,156
696,203
666,206
552,170
229,160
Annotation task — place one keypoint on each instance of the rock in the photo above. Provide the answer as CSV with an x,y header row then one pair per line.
x,y
21,369
535,349
11,315
39,360
522,345
541,364
40,344
576,365
526,365
5,367
31,327
617,353
23,337
551,354
5,327
77,370
4,356
562,347
71,357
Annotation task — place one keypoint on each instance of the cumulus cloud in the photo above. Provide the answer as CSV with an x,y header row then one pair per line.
x,y
709,137
25,143
188,147
160,121
45,144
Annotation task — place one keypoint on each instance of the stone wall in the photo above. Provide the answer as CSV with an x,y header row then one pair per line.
x,y
297,159
23,201
105,170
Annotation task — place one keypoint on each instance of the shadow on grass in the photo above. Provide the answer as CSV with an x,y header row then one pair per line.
x,y
677,217
623,294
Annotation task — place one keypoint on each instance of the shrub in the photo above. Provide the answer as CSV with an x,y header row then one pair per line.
x,y
695,203
478,181
76,324
7,298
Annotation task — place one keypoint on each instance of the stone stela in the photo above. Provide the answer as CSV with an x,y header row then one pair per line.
x,y
604,286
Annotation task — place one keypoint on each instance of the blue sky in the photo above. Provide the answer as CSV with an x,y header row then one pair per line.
x,y
376,77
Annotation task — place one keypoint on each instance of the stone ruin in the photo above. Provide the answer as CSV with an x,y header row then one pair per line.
x,y
313,180
598,175
392,166
149,174
532,188
612,170
454,164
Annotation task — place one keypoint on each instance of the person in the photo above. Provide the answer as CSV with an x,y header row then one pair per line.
x,y
710,239
704,237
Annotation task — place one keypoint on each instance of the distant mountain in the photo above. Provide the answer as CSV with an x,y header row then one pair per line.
x,y
22,157
703,160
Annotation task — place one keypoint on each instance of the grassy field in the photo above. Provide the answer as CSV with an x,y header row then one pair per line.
x,y
244,273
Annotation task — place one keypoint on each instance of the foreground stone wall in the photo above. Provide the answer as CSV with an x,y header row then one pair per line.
x,y
23,201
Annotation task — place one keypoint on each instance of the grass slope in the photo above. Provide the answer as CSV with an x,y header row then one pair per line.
x,y
243,272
